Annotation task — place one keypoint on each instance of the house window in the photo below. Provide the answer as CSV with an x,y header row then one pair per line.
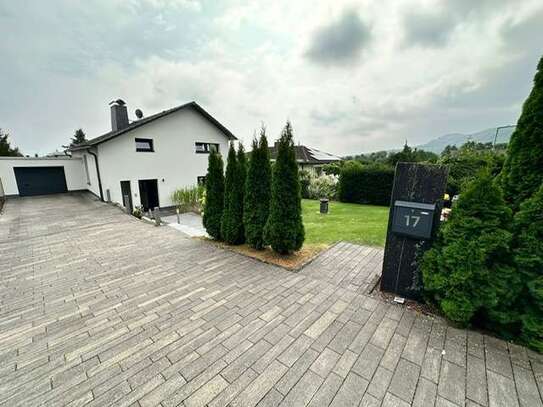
x,y
86,168
144,145
206,148
201,180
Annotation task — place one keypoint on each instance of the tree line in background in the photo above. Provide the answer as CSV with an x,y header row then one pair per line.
x,y
253,203
486,266
6,150
368,179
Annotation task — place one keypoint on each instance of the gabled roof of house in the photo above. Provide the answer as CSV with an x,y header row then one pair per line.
x,y
308,155
138,123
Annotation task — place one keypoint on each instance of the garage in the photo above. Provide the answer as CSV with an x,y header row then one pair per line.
x,y
40,180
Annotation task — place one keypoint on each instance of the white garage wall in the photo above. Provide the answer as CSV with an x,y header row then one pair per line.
x,y
174,163
73,170
91,182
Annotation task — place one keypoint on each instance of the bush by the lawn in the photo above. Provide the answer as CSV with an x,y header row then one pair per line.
x,y
528,254
323,186
469,271
214,196
284,229
367,184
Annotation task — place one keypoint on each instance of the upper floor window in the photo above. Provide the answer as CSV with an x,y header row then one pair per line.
x,y
144,144
206,148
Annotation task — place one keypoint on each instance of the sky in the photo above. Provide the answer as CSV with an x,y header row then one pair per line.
x,y
351,76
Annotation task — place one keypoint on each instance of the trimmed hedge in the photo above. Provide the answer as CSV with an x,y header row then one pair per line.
x,y
365,184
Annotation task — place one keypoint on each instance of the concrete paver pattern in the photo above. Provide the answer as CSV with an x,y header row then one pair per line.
x,y
98,308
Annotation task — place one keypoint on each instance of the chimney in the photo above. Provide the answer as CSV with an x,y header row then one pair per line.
x,y
119,115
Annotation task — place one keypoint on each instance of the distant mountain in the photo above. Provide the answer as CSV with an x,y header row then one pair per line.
x,y
485,136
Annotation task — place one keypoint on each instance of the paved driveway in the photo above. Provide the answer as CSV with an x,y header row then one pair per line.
x,y
97,308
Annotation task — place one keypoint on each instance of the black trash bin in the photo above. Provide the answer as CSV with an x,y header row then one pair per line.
x,y
324,205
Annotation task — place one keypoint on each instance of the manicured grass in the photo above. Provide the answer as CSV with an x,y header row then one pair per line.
x,y
364,224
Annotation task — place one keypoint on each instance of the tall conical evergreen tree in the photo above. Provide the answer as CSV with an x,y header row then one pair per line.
x,y
528,254
469,272
522,173
257,192
232,217
284,228
240,181
214,201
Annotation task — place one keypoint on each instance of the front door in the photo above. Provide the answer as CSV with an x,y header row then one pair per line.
x,y
148,193
126,195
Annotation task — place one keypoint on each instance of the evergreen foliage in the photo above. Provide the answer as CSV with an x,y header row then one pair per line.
x,y
214,202
78,138
466,162
469,272
257,192
411,155
241,178
5,147
284,228
522,173
528,255
232,216
365,184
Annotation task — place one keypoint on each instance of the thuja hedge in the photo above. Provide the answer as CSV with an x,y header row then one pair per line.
x,y
365,184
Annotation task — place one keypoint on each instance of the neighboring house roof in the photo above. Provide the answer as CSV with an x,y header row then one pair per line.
x,y
138,123
308,155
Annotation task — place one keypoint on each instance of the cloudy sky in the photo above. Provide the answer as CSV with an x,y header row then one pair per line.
x,y
351,76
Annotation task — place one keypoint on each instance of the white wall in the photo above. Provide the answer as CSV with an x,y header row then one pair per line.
x,y
73,170
174,162
92,183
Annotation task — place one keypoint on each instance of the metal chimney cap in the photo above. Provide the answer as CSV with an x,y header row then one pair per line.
x,y
119,102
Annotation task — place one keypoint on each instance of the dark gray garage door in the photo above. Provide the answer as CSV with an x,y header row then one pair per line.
x,y
40,180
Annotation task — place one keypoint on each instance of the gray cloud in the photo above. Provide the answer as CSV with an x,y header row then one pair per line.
x,y
340,42
434,27
428,29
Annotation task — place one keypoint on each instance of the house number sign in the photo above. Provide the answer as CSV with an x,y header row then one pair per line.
x,y
413,219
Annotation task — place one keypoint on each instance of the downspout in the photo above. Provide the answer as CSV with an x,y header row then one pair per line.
x,y
98,174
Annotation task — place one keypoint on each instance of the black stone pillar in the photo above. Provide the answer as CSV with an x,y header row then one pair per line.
x,y
423,183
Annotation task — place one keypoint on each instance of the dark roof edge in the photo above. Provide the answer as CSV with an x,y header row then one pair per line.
x,y
142,122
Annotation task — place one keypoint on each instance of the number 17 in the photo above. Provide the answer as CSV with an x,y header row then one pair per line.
x,y
416,220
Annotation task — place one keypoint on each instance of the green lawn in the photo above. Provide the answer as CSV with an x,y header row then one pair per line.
x,y
364,224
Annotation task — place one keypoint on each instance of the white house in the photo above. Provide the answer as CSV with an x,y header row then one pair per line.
x,y
143,161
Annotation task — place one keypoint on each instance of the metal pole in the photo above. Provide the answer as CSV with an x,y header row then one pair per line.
x,y
497,130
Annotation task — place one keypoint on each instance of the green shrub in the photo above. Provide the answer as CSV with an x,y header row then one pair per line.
x,y
188,199
232,216
257,193
323,186
214,196
466,162
468,272
528,255
522,172
332,168
367,184
284,228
